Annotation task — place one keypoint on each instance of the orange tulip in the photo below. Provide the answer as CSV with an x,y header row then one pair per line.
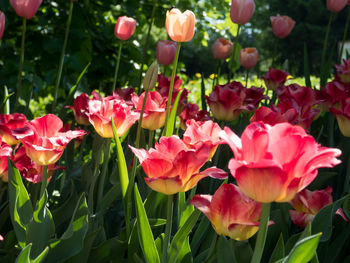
x,y
180,26
221,48
249,57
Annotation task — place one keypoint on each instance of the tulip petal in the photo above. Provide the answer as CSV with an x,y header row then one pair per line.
x,y
202,203
233,141
214,172
165,185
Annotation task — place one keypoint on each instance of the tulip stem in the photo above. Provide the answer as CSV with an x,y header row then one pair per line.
x,y
246,78
144,52
235,43
167,124
21,60
63,52
218,75
345,34
150,139
275,43
133,171
169,221
106,153
43,181
323,76
262,233
117,65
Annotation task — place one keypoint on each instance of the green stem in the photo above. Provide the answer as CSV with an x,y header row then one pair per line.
x,y
169,221
43,181
345,34
331,123
219,72
262,233
214,79
146,44
325,45
117,65
21,60
167,125
246,78
94,179
106,154
235,43
63,52
133,171
275,43
150,139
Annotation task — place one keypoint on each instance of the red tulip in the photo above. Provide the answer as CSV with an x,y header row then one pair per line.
x,y
336,5
273,163
101,112
334,92
155,109
343,71
2,24
5,153
342,113
29,170
253,96
9,122
249,57
274,115
166,51
241,11
230,212
221,48
307,204
42,139
125,27
198,132
275,78
180,26
81,109
282,26
192,111
26,8
172,167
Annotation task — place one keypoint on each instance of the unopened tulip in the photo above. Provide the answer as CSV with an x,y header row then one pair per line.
x,y
221,48
26,8
336,5
230,212
166,51
180,26
172,167
125,27
2,24
274,163
249,57
150,79
241,11
282,26
43,140
80,109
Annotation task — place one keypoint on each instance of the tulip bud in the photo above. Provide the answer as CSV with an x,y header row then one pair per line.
x,y
166,51
150,80
336,5
249,57
125,27
241,11
2,24
180,26
221,48
282,25
26,8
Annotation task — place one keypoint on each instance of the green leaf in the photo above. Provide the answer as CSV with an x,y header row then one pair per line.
x,y
336,246
108,251
24,256
21,210
71,242
6,101
145,233
172,117
185,255
303,250
204,104
123,169
181,235
41,228
225,251
346,206
113,194
186,214
278,252
199,234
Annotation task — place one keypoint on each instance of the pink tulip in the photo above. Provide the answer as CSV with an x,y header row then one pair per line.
x,y
282,26
230,212
9,122
80,109
249,57
241,11
5,153
43,140
221,48
172,167
273,163
125,27
166,51
336,5
2,24
26,8
274,115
